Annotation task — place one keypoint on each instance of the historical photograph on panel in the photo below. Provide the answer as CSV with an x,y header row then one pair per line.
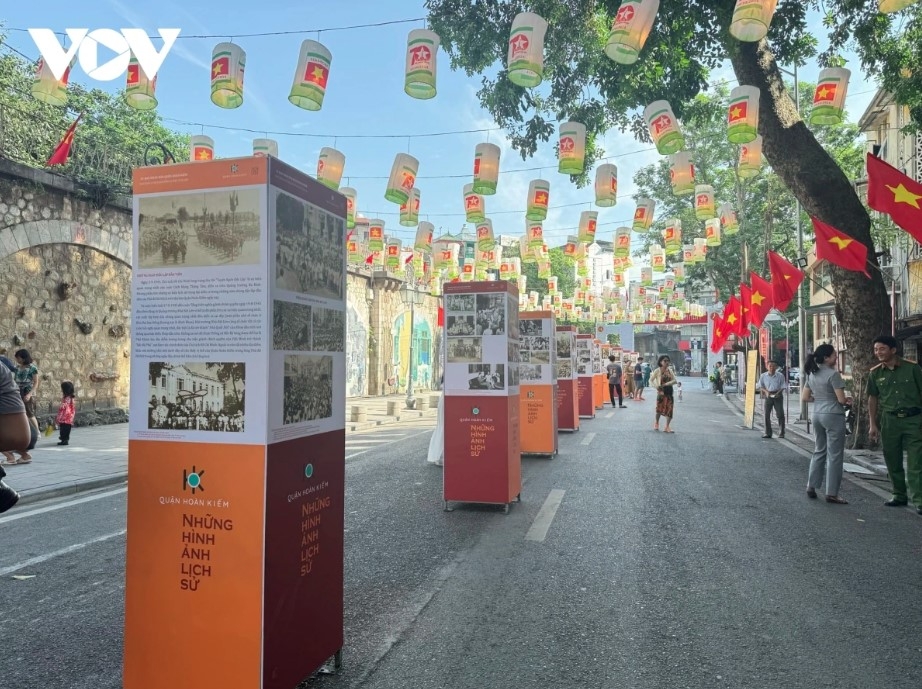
x,y
291,326
198,396
531,326
463,350
486,377
208,228
459,325
563,345
308,393
513,375
460,303
514,329
512,352
491,314
540,349
529,372
310,249
329,330
564,369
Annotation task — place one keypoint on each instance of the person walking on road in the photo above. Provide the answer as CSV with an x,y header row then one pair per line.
x,y
662,380
825,388
718,378
628,380
638,380
772,384
615,373
895,391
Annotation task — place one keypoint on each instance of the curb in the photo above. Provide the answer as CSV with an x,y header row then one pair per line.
x,y
64,489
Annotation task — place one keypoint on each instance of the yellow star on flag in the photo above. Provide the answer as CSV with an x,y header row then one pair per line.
x,y
216,70
736,112
317,73
823,92
902,195
731,319
757,298
841,242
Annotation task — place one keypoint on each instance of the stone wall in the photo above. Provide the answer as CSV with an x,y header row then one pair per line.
x,y
65,267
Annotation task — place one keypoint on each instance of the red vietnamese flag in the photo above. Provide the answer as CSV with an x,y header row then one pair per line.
x,y
892,192
733,317
825,92
134,74
718,334
837,247
737,111
220,68
760,299
785,280
317,73
62,150
746,301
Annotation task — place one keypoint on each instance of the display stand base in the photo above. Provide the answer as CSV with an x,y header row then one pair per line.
x,y
568,430
541,455
587,417
505,505
333,665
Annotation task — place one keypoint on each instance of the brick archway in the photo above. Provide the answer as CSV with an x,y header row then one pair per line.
x,y
37,232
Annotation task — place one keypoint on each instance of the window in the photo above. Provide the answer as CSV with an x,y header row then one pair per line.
x,y
163,381
179,383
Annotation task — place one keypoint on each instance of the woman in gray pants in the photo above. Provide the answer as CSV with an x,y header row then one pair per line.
x,y
826,389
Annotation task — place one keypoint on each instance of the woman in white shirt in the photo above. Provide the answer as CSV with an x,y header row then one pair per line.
x,y
662,380
826,389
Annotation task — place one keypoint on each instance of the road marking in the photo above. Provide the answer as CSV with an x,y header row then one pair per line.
x,y
406,437
587,439
61,505
609,415
6,571
542,523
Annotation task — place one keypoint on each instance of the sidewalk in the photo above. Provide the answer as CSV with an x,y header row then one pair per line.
x,y
862,460
98,455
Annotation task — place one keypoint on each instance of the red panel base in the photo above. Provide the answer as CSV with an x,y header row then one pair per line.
x,y
567,406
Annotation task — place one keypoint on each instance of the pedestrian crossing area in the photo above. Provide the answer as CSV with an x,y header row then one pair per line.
x,y
360,442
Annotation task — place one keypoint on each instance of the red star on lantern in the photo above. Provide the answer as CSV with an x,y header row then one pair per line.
x,y
519,44
662,123
702,200
625,14
567,144
408,181
472,202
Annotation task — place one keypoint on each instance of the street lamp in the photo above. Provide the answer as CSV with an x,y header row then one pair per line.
x,y
411,297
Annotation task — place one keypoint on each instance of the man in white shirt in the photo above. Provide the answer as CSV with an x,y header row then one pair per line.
x,y
772,384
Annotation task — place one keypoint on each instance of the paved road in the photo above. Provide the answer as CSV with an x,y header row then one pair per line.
x,y
688,560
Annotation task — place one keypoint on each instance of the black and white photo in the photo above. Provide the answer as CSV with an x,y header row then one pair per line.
x,y
486,377
531,326
460,303
539,349
491,314
219,227
564,369
310,249
308,388
328,330
460,325
464,350
563,345
196,396
530,372
291,326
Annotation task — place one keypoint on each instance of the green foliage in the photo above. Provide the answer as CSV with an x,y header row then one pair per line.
x,y
561,266
109,142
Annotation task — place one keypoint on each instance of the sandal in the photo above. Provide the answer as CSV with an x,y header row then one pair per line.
x,y
10,459
656,427
668,430
836,499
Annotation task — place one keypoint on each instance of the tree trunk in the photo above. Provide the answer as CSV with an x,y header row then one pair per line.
x,y
862,306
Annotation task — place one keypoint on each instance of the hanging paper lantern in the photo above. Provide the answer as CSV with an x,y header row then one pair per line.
x,y
743,115
544,268
751,19
139,89
672,236
485,238
688,254
618,279
829,97
657,258
48,89
535,233
750,159
582,266
572,148
643,215
539,194
678,269
525,60
474,207
516,263
623,242
712,232
350,195
311,75
646,276
552,284
422,49
423,241
486,169
729,223
888,6
705,207
376,235
664,127
668,286
228,61
402,178
468,270
353,252
409,211
569,249
263,148
630,29
682,173
588,220
445,256
606,185
525,251
201,148
392,255
701,249
330,166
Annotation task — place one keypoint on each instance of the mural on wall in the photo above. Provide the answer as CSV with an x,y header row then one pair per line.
x,y
422,351
356,354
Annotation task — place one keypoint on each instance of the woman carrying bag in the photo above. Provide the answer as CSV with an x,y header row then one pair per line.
x,y
826,389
